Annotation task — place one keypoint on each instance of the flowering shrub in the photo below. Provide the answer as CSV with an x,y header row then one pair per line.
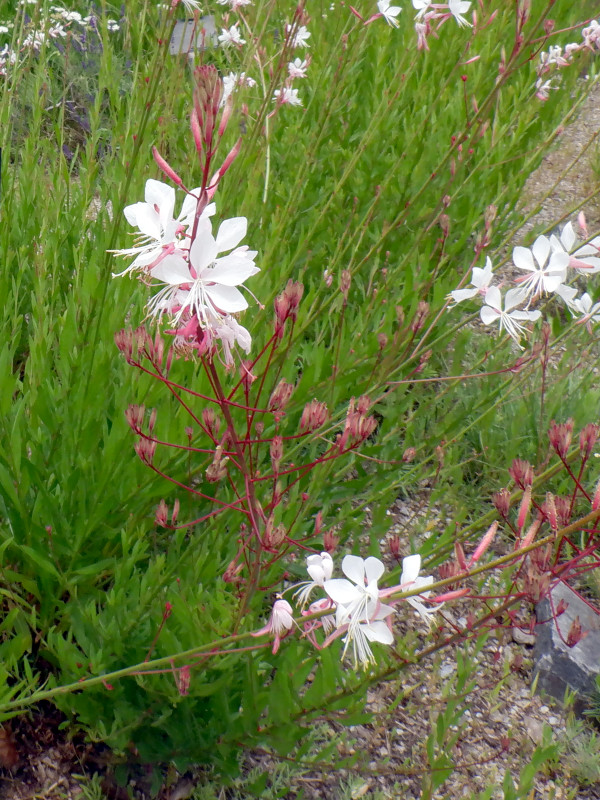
x,y
266,426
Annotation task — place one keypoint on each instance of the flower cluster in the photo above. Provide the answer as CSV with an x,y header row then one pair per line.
x,y
50,28
546,265
557,57
182,256
355,604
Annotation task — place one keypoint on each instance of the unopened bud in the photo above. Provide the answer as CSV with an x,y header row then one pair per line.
x,y
394,545
218,469
330,541
588,438
183,678
345,281
549,511
274,535
460,556
522,473
231,574
524,508
145,450
276,449
313,417
382,341
501,501
134,415
211,422
419,318
483,544
166,168
124,341
161,516
560,436
409,455
281,396
575,634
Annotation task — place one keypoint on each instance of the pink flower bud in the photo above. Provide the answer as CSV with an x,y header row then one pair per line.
x,y
330,541
409,455
587,439
314,415
524,508
501,501
281,396
212,423
276,449
166,168
483,544
521,472
560,436
161,515
575,634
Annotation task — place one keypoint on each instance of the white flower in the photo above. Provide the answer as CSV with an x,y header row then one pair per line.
x,y
300,35
287,96
421,7
320,569
551,269
158,229
204,285
279,624
457,8
543,88
590,311
510,317
297,68
568,294
586,259
358,606
235,4
410,580
231,37
389,13
191,5
481,280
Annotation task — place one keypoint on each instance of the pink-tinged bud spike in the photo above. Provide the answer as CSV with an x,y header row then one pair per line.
x,y
231,156
524,508
596,498
225,115
276,452
281,395
501,501
575,634
318,523
560,436
162,514
124,341
561,607
183,677
152,420
522,473
166,168
196,131
531,534
582,224
330,541
549,509
460,556
483,544
453,595
588,438
175,512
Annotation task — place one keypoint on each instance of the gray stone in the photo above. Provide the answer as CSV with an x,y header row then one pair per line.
x,y
191,35
558,666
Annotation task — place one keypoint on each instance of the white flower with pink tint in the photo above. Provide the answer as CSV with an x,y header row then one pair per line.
x,y
320,569
510,317
457,8
299,35
160,234
388,12
231,37
297,68
280,622
547,268
287,96
480,281
205,284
